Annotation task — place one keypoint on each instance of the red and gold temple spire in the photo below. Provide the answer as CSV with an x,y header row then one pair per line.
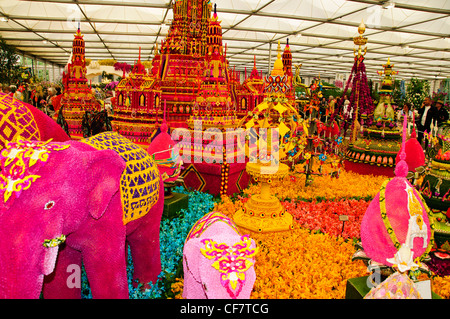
x,y
77,97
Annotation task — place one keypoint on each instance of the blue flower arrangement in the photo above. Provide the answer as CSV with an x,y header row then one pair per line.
x,y
173,233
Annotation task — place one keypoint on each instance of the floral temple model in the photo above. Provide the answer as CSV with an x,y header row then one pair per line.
x,y
177,75
77,97
380,138
137,108
211,123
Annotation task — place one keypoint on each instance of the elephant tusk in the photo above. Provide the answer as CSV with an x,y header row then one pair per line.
x,y
48,243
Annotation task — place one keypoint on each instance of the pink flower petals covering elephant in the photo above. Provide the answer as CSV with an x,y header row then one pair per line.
x,y
79,201
217,260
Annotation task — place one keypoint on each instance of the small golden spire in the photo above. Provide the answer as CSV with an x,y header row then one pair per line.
x,y
278,65
362,27
360,40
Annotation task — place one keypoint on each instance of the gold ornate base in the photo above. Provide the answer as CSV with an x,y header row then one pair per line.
x,y
263,214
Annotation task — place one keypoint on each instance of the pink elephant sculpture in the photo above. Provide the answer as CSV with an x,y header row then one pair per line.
x,y
86,199
20,119
217,260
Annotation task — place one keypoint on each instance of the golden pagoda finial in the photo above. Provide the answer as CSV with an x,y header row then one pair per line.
x,y
362,27
279,50
278,65
360,40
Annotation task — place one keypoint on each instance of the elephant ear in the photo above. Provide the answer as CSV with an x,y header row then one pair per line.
x,y
192,257
104,168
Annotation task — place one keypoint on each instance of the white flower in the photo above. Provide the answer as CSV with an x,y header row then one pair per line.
x,y
403,259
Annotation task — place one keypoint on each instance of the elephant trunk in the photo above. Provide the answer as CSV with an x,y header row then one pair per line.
x,y
22,277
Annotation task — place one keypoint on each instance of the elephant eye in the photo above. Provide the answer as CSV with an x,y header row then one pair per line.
x,y
49,205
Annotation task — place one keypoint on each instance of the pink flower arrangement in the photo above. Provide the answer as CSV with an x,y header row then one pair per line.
x,y
324,216
122,66
112,85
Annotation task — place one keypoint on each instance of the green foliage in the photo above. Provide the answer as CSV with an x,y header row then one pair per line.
x,y
416,91
10,69
373,92
335,91
397,94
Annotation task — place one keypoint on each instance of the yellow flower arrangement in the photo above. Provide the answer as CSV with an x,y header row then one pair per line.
x,y
348,185
302,264
441,286
177,288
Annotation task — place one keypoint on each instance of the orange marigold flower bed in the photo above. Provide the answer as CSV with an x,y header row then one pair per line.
x,y
299,264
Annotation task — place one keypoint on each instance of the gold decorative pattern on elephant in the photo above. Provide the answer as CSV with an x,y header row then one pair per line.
x,y
17,160
139,183
15,121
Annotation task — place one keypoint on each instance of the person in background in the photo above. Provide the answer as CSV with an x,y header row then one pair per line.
x,y
441,113
49,109
16,93
423,121
347,110
38,98
406,109
6,89
331,104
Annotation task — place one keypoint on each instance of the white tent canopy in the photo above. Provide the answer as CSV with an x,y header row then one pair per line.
x,y
415,34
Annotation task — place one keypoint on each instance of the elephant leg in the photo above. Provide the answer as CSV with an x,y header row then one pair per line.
x,y
106,271
65,281
145,246
104,254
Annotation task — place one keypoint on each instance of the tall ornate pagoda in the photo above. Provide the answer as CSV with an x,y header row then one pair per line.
x,y
137,109
213,167
180,62
77,96
250,93
213,104
287,69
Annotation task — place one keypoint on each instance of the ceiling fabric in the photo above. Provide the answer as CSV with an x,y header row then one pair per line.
x,y
415,35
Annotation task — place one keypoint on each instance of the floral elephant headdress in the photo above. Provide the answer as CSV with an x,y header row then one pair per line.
x,y
20,162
